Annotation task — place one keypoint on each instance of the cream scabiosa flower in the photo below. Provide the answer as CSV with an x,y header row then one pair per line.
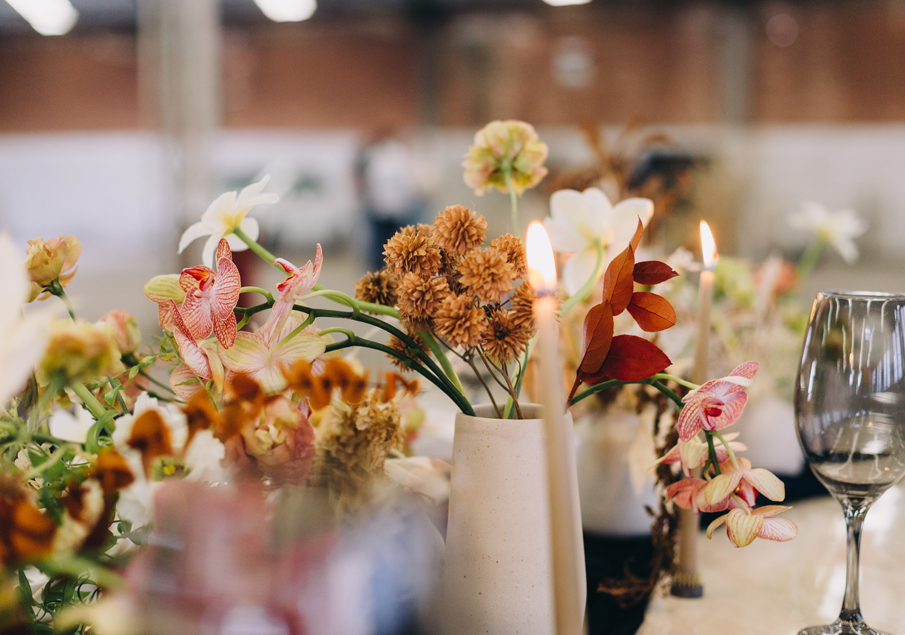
x,y
225,215
579,220
837,228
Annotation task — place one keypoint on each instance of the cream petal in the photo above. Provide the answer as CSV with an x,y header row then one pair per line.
x,y
743,528
248,354
601,209
569,208
191,234
563,238
721,487
251,195
210,247
778,529
766,483
716,523
625,218
184,382
579,269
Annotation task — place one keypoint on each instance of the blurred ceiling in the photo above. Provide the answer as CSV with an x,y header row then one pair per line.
x,y
121,14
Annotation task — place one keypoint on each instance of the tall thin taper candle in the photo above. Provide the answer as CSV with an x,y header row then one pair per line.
x,y
687,583
542,272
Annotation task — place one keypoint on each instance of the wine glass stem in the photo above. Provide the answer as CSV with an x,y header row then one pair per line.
x,y
851,604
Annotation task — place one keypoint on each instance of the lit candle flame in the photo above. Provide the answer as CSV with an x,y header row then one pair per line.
x,y
708,247
541,265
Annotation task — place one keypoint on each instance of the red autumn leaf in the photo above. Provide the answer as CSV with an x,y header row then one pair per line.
x,y
598,333
636,239
633,358
652,272
618,284
651,311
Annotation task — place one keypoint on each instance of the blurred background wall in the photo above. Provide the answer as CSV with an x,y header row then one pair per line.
x,y
123,130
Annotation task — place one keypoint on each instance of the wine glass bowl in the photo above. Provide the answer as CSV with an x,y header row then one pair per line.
x,y
850,414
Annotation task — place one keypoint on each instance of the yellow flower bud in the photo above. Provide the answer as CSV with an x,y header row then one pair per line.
x,y
80,351
47,260
162,289
505,149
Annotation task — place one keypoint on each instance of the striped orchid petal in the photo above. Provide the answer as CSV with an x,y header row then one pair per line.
x,y
210,298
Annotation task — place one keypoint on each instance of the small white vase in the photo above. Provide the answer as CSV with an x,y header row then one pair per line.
x,y
497,576
611,504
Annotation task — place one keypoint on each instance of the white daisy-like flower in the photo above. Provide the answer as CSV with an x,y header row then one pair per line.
x,y
70,426
170,414
837,228
579,220
226,214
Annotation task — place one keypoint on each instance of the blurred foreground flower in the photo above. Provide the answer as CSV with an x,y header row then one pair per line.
x,y
47,260
23,338
226,214
80,351
836,228
124,328
504,153
580,221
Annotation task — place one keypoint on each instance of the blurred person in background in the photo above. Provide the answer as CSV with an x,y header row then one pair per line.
x,y
388,192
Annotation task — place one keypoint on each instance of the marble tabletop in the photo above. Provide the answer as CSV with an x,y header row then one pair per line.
x,y
779,588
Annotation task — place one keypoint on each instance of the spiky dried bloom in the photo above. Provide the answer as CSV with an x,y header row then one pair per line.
x,y
419,298
353,445
504,340
512,247
380,288
397,344
521,307
458,230
412,250
460,321
487,273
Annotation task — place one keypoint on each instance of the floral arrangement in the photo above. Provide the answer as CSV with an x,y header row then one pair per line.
x,y
95,422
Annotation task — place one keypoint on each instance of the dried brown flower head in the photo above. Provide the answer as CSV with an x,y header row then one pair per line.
x,y
458,230
460,321
522,306
487,273
397,344
419,298
512,247
380,288
504,340
411,250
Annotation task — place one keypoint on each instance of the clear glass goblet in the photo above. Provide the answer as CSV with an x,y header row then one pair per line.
x,y
850,413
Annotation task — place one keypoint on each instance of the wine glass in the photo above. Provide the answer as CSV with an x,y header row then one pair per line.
x,y
850,412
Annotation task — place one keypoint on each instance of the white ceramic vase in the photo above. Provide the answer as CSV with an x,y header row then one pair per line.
x,y
612,502
497,576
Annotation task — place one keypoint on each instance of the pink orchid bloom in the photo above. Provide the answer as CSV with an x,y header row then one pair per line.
x,y
689,494
263,355
745,482
210,298
200,360
692,454
743,526
717,404
300,280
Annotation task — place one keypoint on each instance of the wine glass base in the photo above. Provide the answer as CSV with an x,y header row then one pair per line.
x,y
840,627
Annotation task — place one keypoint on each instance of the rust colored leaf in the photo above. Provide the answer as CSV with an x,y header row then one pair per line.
x,y
653,272
598,333
651,311
633,358
636,239
618,284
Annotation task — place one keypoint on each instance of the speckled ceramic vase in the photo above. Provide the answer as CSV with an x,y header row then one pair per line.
x,y
497,572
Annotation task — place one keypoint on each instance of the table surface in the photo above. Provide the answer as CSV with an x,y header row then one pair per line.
x,y
779,588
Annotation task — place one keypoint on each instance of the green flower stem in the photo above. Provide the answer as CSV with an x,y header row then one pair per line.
x,y
676,399
712,452
337,329
509,410
255,247
810,258
409,342
157,382
585,290
78,568
56,288
653,381
725,443
93,405
258,290
443,359
513,201
677,380
451,392
55,458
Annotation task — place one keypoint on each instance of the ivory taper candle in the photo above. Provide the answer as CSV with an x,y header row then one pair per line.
x,y
687,582
542,276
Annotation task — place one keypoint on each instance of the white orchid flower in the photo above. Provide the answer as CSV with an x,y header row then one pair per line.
x,y
71,427
836,228
23,337
224,216
579,221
